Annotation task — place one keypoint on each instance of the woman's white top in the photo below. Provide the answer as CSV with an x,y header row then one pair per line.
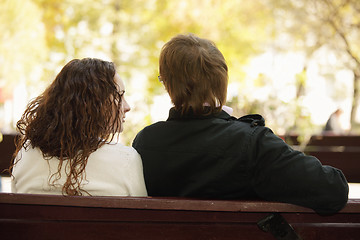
x,y
112,170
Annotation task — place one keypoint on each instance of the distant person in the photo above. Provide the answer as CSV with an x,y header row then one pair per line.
x,y
201,151
333,125
67,141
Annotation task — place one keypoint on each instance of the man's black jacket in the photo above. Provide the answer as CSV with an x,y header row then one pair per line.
x,y
221,157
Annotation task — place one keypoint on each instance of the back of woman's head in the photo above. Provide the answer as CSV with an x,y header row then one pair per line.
x,y
194,73
73,117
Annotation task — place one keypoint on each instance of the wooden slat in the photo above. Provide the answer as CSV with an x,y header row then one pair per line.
x,y
348,140
324,140
158,203
149,203
58,217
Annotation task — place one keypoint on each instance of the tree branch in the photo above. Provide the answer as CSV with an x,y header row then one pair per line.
x,y
334,14
345,40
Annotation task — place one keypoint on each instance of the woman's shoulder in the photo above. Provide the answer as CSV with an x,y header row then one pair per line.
x,y
29,151
117,148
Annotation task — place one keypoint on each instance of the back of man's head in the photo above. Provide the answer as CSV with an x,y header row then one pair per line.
x,y
194,73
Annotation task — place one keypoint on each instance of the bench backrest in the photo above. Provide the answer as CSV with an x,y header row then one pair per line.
x,y
327,140
26,216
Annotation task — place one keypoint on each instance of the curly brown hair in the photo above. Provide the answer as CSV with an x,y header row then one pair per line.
x,y
72,118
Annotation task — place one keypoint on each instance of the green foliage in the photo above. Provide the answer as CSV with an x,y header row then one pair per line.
x,y
22,43
40,36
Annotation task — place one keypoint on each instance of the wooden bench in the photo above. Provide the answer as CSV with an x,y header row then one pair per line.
x,y
29,216
342,152
334,143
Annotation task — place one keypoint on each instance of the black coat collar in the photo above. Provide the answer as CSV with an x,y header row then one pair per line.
x,y
176,115
253,119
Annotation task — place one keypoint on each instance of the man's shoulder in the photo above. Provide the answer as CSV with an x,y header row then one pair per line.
x,y
252,119
247,123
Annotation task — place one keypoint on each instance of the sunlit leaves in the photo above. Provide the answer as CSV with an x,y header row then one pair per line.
x,y
22,42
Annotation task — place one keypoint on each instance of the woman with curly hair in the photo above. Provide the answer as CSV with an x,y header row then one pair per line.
x,y
67,143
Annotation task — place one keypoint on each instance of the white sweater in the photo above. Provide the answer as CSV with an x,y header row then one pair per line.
x,y
112,170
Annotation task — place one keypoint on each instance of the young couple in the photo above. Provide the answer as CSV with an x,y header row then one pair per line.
x,y
67,144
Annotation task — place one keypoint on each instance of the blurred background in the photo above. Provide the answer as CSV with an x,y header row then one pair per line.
x,y
293,61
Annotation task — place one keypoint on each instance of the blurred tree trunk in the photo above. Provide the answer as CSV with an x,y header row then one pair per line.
x,y
355,67
356,98
115,53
